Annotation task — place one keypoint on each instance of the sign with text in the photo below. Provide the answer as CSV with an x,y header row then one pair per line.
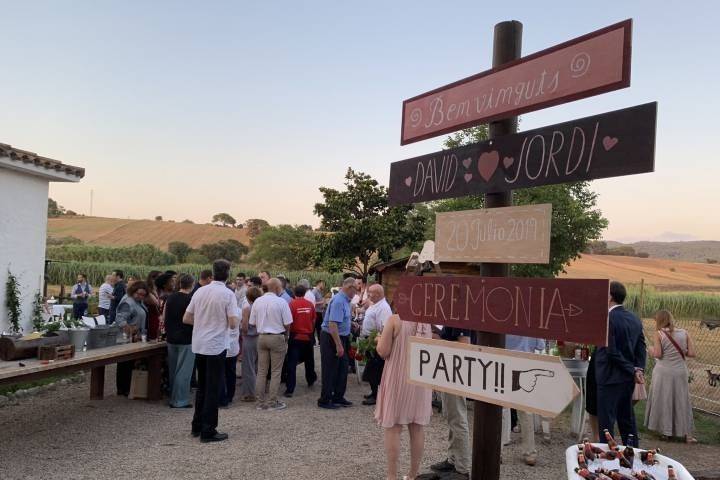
x,y
524,381
595,63
506,234
607,145
571,310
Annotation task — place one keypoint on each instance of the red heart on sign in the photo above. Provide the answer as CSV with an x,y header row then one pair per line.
x,y
466,162
408,181
488,163
609,142
468,177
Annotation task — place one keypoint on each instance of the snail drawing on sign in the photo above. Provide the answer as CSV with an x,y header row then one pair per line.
x,y
713,378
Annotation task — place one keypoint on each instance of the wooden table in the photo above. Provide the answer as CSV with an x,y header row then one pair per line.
x,y
93,360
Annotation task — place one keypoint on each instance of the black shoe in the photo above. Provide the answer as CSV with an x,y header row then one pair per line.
x,y
195,433
218,437
369,401
189,405
369,395
328,406
455,475
287,394
343,403
443,466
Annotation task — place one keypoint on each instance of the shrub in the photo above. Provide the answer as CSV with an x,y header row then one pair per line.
x,y
138,254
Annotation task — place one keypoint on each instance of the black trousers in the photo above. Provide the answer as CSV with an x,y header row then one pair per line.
x,y
227,385
318,325
123,377
334,369
615,404
300,351
372,374
79,309
210,369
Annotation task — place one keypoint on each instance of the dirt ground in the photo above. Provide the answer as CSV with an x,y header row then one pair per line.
x,y
63,434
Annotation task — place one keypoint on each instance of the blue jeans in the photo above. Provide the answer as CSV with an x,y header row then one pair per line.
x,y
181,361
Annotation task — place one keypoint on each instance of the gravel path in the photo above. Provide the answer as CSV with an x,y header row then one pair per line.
x,y
62,434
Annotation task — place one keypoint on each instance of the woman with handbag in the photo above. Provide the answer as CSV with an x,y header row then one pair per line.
x,y
398,402
668,408
131,317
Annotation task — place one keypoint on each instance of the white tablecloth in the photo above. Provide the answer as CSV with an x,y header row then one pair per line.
x,y
59,310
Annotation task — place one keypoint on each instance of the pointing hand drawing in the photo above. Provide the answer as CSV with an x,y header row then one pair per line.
x,y
527,379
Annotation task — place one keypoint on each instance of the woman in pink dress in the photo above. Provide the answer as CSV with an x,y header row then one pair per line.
x,y
400,403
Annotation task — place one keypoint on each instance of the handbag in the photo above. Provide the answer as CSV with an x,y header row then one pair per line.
x,y
640,393
138,384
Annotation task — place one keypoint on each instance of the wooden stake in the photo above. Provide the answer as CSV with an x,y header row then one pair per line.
x,y
487,423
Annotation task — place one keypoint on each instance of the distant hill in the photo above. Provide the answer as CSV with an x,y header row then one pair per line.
x,y
663,274
695,251
120,232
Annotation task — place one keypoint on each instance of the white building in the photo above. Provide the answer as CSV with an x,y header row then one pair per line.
x,y
24,180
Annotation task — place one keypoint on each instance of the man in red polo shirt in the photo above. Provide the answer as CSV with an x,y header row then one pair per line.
x,y
300,346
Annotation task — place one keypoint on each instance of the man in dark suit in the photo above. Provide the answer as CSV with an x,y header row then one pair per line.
x,y
618,367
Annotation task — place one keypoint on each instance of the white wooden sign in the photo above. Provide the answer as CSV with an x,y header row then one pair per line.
x,y
508,234
524,381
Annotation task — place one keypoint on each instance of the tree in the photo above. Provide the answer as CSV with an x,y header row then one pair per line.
x,y
54,209
158,218
284,246
181,250
187,221
229,249
575,220
255,226
223,218
360,229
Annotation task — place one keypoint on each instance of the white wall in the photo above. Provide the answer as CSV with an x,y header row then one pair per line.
x,y
23,228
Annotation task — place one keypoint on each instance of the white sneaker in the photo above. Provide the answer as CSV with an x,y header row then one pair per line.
x,y
278,405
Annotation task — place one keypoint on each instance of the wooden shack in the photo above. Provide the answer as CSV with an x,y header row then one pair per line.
x,y
388,274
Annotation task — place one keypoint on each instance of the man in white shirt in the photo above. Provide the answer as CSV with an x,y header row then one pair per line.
x,y
271,316
105,297
213,312
375,317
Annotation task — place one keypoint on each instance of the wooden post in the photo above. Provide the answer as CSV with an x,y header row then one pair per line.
x,y
641,303
97,383
155,377
487,423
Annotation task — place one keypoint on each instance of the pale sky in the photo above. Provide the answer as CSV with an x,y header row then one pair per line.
x,y
186,109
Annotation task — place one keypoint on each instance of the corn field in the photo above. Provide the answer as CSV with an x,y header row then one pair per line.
x,y
682,305
136,255
65,273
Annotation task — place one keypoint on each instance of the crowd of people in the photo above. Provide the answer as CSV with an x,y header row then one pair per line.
x,y
215,322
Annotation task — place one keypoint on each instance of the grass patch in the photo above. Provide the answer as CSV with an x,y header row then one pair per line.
x,y
707,427
25,386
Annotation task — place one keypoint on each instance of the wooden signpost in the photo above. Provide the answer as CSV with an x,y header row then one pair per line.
x,y
510,234
589,65
524,381
573,310
607,145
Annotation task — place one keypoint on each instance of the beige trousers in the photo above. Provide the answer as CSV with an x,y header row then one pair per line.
x,y
271,353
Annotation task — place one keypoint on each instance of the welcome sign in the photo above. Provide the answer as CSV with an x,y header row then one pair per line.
x,y
589,65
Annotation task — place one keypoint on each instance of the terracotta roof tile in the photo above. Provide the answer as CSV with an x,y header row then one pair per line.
x,y
25,156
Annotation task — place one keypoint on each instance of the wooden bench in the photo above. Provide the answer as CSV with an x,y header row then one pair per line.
x,y
93,360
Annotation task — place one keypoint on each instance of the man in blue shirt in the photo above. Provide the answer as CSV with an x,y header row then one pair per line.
x,y
334,344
